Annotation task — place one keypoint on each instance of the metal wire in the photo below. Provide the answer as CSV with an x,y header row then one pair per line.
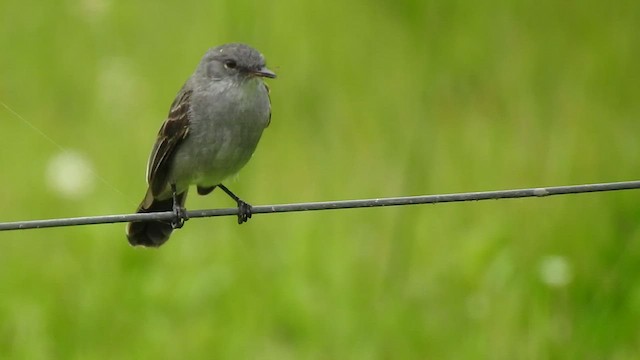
x,y
330,205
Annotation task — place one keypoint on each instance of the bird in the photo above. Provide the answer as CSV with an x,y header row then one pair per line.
x,y
213,127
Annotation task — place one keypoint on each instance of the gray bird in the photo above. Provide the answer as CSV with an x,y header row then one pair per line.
x,y
213,128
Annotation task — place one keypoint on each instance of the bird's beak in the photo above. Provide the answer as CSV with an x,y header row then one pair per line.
x,y
264,72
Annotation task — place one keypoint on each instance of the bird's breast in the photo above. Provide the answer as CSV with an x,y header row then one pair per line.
x,y
225,127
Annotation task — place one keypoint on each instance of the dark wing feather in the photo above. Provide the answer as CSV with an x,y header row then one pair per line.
x,y
172,132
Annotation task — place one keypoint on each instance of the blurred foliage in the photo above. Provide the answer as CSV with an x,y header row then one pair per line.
x,y
374,98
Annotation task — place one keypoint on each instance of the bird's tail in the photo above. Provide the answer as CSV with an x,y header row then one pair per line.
x,y
152,233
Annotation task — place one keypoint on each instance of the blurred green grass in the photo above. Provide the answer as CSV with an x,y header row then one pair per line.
x,y
374,98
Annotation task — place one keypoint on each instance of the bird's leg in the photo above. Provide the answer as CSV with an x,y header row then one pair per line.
x,y
244,209
179,211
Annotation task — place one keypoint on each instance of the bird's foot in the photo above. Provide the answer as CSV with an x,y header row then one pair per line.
x,y
244,211
180,216
180,213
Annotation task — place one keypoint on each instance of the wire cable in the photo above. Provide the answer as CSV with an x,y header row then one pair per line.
x,y
330,205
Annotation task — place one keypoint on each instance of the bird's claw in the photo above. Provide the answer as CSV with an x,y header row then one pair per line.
x,y
180,216
180,213
244,211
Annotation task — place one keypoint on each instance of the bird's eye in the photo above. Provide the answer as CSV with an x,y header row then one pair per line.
x,y
230,64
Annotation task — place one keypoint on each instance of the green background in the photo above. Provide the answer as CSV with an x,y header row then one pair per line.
x,y
373,99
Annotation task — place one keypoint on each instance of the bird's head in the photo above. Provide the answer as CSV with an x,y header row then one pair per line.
x,y
234,61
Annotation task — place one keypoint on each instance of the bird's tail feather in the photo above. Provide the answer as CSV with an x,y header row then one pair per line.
x,y
152,233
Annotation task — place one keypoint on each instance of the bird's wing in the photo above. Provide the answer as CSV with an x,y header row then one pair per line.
x,y
172,132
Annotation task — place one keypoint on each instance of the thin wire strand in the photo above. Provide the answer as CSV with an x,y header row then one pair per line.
x,y
60,147
331,205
